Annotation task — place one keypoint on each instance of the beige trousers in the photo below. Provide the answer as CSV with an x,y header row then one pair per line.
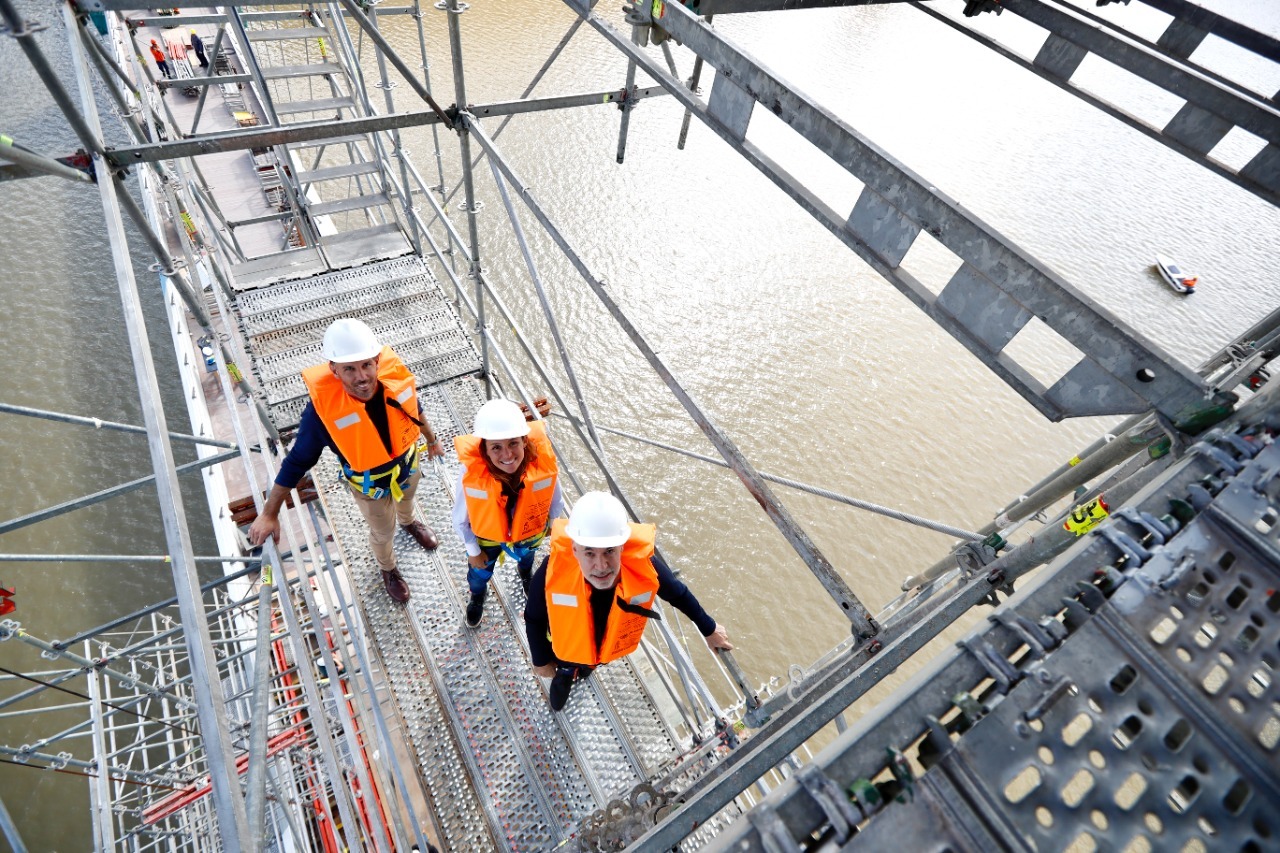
x,y
381,515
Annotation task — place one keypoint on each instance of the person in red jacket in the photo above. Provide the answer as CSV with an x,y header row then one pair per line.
x,y
157,53
363,407
591,599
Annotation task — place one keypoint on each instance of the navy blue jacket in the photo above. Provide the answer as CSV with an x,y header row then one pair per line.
x,y
537,623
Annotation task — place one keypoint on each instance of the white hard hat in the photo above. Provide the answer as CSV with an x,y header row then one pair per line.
x,y
498,419
348,340
598,520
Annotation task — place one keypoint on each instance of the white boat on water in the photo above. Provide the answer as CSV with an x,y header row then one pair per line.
x,y
1174,276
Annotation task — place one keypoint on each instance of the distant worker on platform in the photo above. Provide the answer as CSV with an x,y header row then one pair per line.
x,y
198,46
363,407
591,599
157,53
508,492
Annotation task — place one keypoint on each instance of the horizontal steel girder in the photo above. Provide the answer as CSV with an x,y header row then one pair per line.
x,y
242,140
1209,22
1211,110
1196,125
998,288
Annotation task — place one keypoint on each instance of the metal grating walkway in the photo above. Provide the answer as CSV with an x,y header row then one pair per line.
x,y
1127,699
502,770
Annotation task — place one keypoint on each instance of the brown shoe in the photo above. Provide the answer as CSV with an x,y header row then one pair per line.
x,y
423,533
395,585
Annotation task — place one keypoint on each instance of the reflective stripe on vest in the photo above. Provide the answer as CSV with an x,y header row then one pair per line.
x,y
348,423
486,504
569,599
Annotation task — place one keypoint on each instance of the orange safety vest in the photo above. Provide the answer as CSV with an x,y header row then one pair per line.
x,y
158,54
348,423
569,599
486,504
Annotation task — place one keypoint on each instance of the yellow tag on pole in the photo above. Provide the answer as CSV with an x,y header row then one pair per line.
x,y
659,8
1087,516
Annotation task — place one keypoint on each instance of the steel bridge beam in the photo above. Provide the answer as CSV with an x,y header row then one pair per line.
x,y
1194,18
1211,109
998,288
1243,179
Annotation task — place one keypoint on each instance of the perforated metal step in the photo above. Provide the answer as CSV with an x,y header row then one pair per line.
x,y
1126,699
504,770
399,300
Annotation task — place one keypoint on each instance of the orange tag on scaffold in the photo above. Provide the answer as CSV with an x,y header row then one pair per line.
x,y
1087,516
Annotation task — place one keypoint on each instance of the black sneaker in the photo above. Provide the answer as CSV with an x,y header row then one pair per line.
x,y
561,683
475,610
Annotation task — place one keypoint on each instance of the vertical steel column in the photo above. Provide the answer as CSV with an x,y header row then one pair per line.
x,y
468,182
399,153
694,79
639,37
552,326
256,783
11,830
211,709
204,90
103,830
435,130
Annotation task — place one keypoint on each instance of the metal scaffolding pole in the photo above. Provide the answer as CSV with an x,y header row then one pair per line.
x,y
850,605
99,497
211,709
468,181
97,423
38,163
11,830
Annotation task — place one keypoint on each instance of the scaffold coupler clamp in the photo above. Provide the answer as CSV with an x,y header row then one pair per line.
x,y
626,98
9,629
974,555
837,808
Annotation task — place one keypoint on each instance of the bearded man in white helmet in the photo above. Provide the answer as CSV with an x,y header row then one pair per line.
x,y
591,599
363,407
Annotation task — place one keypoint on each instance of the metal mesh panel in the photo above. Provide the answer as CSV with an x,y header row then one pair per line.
x,y
345,283
1155,724
399,300
368,301
1118,760
1217,628
458,809
503,769
414,339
